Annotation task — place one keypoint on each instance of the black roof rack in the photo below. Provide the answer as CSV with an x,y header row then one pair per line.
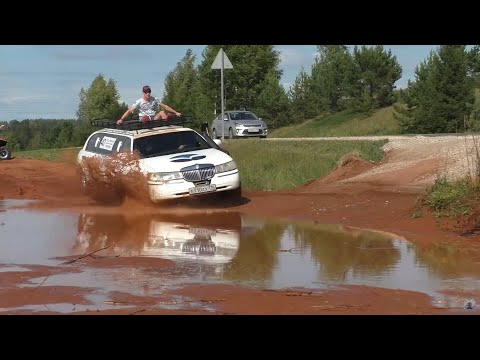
x,y
137,124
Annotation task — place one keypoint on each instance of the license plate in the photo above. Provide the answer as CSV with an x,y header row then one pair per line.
x,y
254,130
202,189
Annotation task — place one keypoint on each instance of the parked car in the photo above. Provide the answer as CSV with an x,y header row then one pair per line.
x,y
239,124
177,161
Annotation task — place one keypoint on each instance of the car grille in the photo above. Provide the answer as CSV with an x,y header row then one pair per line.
x,y
252,133
199,174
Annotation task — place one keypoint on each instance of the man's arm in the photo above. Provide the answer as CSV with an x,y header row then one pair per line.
x,y
168,108
125,114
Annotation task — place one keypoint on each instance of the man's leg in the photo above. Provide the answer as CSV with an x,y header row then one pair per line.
x,y
161,115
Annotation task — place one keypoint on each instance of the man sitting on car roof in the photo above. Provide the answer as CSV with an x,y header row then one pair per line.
x,y
147,106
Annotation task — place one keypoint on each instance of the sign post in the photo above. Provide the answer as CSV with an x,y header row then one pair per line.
x,y
222,62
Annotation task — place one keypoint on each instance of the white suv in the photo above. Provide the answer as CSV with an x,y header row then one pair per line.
x,y
177,161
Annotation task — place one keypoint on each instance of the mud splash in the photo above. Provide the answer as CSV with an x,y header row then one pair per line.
x,y
110,180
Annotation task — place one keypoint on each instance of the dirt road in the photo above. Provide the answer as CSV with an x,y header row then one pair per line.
x,y
359,194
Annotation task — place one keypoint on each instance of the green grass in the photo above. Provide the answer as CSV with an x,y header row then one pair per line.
x,y
344,123
449,199
58,155
277,165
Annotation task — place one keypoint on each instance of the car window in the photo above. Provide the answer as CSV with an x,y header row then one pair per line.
x,y
170,143
108,144
243,116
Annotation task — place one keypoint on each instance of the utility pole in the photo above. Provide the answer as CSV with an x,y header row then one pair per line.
x,y
222,62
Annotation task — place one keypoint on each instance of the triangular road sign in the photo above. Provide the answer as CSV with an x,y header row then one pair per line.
x,y
217,63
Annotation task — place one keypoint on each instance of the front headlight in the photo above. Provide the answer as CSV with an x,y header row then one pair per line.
x,y
229,166
160,177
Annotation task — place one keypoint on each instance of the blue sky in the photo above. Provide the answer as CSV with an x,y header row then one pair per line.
x,y
44,81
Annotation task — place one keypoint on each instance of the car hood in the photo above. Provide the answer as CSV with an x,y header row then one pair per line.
x,y
176,162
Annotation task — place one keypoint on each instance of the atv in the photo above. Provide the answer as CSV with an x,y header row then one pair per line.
x,y
5,152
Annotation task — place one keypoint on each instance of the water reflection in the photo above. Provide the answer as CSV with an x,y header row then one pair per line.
x,y
336,251
210,238
228,247
232,247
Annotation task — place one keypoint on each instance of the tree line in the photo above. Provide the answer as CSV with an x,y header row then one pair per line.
x,y
361,79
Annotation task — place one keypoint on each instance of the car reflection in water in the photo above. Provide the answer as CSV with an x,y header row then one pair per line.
x,y
206,238
179,241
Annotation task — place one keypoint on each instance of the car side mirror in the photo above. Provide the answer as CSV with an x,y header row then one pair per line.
x,y
260,119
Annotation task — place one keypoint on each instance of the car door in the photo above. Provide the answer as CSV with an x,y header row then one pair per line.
x,y
224,125
215,126
218,125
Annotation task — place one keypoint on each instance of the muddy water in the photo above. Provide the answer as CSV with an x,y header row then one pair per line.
x,y
220,248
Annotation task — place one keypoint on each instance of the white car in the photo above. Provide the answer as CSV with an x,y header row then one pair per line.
x,y
176,161
239,124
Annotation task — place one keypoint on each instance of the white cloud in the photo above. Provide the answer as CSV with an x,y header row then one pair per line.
x,y
11,100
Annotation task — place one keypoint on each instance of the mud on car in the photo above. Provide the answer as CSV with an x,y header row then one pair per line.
x,y
176,161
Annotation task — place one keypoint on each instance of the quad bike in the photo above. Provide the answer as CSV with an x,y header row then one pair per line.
x,y
5,152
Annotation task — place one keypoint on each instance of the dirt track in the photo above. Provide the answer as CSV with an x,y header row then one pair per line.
x,y
360,194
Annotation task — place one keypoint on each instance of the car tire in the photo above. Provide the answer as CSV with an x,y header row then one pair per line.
x,y
5,153
230,134
214,134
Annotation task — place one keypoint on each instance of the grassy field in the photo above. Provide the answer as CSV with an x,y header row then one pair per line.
x,y
266,165
345,123
63,155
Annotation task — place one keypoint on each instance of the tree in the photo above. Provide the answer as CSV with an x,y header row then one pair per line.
x,y
180,82
183,91
417,98
473,58
332,76
99,101
242,84
454,89
377,70
273,105
442,94
303,100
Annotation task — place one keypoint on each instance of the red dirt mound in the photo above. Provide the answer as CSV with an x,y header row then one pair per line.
x,y
348,167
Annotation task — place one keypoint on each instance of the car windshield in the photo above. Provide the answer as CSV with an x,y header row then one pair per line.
x,y
243,116
170,143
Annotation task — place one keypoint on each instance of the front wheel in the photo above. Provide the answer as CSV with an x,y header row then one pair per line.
x,y
5,153
214,134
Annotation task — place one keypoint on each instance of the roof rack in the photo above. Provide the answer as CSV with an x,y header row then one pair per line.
x,y
138,125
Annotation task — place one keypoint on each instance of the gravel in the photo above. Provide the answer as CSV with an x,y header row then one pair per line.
x,y
456,156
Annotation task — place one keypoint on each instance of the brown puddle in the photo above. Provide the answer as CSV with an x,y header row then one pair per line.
x,y
151,254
